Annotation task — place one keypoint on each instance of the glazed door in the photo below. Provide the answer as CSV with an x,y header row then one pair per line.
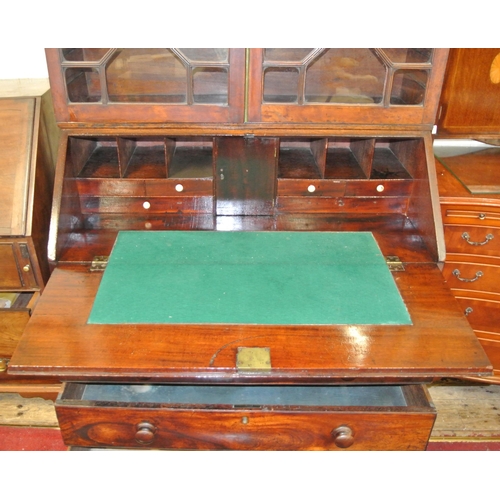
x,y
354,86
147,85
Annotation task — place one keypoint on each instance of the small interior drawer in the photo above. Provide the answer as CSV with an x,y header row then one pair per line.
x,y
245,417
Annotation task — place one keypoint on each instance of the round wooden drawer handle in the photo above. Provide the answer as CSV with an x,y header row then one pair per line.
x,y
466,237
343,436
145,433
456,273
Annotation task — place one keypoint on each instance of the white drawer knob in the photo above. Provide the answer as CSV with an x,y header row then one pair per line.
x,y
380,188
311,188
179,188
146,205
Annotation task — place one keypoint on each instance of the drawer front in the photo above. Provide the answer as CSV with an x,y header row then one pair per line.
x,y
477,240
473,215
481,314
491,347
245,417
472,276
16,268
147,205
12,324
244,430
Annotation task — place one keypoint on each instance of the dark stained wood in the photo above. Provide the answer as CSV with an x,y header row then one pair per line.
x,y
154,112
259,111
245,175
249,429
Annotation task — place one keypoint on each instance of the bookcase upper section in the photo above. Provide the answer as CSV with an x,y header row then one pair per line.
x,y
246,87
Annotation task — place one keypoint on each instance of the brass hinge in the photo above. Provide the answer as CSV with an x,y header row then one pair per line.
x,y
99,263
394,263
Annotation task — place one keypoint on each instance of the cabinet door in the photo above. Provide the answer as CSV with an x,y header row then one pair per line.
x,y
147,85
355,86
245,175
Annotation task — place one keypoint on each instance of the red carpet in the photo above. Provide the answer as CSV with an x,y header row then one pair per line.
x,y
30,439
464,446
44,439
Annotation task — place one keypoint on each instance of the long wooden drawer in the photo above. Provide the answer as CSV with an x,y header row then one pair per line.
x,y
246,417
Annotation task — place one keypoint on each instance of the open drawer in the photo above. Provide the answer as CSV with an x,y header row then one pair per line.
x,y
208,417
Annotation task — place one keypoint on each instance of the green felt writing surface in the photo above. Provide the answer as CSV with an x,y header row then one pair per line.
x,y
275,278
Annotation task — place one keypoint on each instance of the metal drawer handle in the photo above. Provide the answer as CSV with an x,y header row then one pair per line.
x,y
343,436
456,273
468,310
466,237
145,433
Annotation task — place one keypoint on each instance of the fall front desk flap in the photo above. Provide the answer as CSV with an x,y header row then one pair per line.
x,y
275,278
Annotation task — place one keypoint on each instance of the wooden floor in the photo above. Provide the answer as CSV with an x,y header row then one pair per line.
x,y
464,412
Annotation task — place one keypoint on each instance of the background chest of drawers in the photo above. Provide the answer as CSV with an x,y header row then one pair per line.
x,y
469,185
472,265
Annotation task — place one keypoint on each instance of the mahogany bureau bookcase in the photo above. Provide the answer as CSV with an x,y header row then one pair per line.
x,y
245,246
469,185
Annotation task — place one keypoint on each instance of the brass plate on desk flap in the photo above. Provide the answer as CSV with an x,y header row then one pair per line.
x,y
253,358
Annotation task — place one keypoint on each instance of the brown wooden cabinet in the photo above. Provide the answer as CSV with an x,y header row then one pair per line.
x,y
469,186
300,151
470,103
28,149
28,142
472,266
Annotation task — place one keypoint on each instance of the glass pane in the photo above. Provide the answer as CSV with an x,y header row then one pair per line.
x,y
210,85
285,55
409,55
409,87
146,75
281,85
83,84
206,55
93,55
345,76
